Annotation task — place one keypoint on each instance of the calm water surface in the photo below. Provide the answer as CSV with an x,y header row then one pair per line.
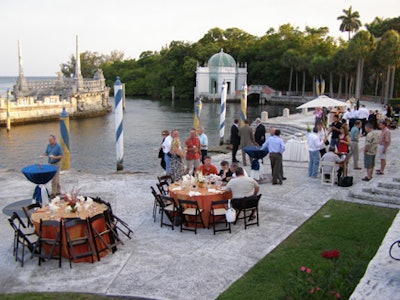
x,y
92,141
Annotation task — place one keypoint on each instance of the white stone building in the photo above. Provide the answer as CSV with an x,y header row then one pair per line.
x,y
220,67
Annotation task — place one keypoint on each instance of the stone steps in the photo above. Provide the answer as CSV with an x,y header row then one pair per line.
x,y
383,193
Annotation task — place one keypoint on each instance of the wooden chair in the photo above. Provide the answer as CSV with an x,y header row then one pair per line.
x,y
327,178
163,188
28,212
247,206
50,235
169,209
217,215
78,238
166,178
190,208
100,234
22,236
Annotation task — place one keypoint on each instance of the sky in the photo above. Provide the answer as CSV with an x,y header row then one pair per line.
x,y
47,29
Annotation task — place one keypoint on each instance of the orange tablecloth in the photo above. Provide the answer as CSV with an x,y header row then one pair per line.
x,y
44,213
204,200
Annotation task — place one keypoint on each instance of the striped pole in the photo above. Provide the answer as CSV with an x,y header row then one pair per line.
x,y
119,134
8,111
222,115
64,139
197,111
243,104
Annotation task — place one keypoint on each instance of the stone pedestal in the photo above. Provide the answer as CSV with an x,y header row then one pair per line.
x,y
264,116
286,113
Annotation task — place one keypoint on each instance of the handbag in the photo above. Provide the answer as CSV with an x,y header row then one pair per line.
x,y
230,213
345,181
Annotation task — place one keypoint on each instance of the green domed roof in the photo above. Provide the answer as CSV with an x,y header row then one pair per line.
x,y
221,59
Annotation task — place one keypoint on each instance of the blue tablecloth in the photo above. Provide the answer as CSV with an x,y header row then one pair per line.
x,y
39,173
256,153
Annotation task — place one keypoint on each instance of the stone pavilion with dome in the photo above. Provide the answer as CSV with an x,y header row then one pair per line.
x,y
220,67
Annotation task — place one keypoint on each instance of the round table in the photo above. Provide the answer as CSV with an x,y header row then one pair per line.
x,y
40,174
45,213
296,150
203,195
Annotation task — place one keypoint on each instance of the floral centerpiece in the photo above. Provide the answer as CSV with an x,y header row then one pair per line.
x,y
200,179
72,200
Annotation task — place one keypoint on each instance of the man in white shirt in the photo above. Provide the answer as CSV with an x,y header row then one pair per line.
x,y
166,146
203,143
363,114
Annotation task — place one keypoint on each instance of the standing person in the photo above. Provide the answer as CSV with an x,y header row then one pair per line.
x,y
161,155
363,115
208,168
334,129
246,139
54,154
166,145
275,146
318,115
370,149
259,134
177,167
354,139
235,139
353,116
203,143
322,137
384,142
193,154
314,145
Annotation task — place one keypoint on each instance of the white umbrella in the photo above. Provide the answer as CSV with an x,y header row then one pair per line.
x,y
322,101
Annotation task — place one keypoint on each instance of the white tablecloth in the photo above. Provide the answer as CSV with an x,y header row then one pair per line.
x,y
296,150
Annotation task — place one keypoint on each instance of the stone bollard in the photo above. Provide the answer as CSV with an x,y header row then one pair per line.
x,y
264,116
286,113
304,111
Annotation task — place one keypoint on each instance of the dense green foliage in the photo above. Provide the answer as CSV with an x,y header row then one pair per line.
x,y
355,230
286,59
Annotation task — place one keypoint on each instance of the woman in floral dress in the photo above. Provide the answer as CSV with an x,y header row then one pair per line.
x,y
177,167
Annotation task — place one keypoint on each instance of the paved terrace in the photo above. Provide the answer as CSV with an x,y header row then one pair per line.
x,y
160,263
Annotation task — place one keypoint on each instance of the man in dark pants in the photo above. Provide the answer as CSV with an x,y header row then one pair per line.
x,y
235,139
259,134
275,147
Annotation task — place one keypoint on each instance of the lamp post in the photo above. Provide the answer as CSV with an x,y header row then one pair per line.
x,y
8,111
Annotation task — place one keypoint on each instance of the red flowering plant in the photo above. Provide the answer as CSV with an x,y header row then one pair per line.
x,y
322,282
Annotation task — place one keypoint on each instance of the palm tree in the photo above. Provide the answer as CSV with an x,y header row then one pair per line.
x,y
350,21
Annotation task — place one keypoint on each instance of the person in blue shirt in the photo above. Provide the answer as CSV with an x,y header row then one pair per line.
x,y
275,146
54,154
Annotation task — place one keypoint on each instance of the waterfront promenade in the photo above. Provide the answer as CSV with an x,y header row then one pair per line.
x,y
159,263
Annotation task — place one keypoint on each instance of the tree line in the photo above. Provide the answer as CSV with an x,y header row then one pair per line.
x,y
286,59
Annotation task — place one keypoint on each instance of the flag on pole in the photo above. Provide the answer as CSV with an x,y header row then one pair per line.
x,y
243,104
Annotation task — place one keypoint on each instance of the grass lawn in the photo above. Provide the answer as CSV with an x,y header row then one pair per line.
x,y
355,230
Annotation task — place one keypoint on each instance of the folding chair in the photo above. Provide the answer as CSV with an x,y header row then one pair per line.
x,y
163,188
166,178
78,240
116,223
169,209
156,205
190,208
28,212
50,236
103,235
327,172
249,206
217,215
22,236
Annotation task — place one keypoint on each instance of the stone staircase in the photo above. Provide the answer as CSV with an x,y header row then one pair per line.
x,y
287,130
386,193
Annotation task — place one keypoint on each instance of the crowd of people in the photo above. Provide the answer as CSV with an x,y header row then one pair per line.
x,y
343,136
